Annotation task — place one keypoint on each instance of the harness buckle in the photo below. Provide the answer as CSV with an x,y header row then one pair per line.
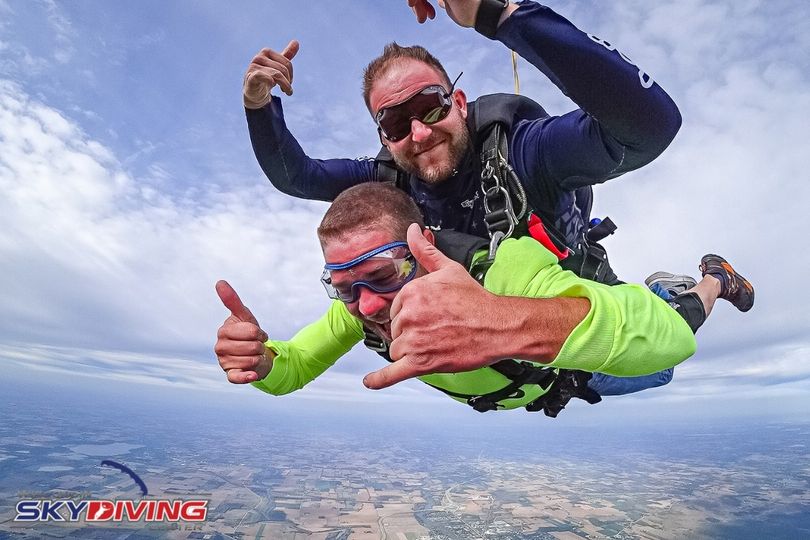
x,y
482,404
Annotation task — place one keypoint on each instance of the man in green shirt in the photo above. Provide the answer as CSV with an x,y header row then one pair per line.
x,y
576,324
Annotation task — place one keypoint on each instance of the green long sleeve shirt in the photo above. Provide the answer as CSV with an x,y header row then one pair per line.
x,y
628,330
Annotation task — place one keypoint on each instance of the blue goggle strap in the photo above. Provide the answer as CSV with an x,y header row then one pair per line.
x,y
364,256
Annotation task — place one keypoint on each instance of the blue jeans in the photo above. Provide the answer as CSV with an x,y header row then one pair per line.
x,y
608,385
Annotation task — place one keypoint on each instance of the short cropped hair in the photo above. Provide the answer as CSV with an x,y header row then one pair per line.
x,y
369,206
393,53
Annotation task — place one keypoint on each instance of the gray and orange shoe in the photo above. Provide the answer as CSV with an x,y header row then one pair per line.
x,y
733,287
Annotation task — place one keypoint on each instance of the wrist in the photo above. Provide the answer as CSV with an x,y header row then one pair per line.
x,y
256,104
511,8
491,14
267,364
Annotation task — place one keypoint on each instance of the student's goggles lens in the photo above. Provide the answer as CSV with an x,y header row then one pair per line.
x,y
429,105
384,269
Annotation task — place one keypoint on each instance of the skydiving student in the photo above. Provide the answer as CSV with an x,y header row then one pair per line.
x,y
623,330
467,177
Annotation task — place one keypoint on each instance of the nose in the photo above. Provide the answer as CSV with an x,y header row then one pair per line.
x,y
371,304
419,131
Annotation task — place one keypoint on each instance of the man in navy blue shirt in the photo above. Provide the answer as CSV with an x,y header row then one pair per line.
x,y
624,121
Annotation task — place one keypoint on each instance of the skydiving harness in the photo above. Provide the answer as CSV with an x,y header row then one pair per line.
x,y
506,214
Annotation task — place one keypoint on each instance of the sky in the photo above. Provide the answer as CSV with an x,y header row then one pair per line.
x,y
129,187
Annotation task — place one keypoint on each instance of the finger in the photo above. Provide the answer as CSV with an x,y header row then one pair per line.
x,y
231,301
241,331
390,375
396,307
397,347
421,9
291,49
278,61
426,254
229,347
283,83
237,376
270,66
246,363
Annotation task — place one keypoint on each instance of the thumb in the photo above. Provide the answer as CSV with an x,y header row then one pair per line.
x,y
232,301
427,255
291,49
391,374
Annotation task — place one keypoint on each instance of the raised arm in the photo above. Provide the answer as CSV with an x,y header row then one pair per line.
x,y
625,119
280,156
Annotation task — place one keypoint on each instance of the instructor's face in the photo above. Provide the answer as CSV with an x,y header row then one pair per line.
x,y
430,151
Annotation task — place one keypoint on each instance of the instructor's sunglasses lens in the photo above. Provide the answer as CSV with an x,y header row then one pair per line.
x,y
384,269
430,105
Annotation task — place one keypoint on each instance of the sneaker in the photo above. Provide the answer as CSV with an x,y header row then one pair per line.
x,y
674,284
733,287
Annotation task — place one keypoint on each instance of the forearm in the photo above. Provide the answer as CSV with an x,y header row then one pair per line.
x,y
533,329
628,104
313,350
625,330
289,168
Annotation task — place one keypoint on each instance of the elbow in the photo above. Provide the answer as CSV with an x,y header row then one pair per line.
x,y
670,124
666,127
650,142
689,349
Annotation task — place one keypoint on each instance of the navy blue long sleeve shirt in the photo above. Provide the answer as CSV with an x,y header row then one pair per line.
x,y
624,121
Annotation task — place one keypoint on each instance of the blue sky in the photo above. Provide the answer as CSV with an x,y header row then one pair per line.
x,y
129,186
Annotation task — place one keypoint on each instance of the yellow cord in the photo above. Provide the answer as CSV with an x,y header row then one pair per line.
x,y
514,70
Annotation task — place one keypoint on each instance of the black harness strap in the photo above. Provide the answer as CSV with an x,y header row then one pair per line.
x,y
567,385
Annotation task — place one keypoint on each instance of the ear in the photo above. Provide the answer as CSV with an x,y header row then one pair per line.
x,y
460,99
429,236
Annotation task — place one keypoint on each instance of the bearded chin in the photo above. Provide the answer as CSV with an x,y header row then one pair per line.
x,y
434,174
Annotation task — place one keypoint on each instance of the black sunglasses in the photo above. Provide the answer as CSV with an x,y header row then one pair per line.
x,y
429,105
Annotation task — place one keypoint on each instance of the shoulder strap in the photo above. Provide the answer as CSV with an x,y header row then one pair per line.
x,y
502,109
386,170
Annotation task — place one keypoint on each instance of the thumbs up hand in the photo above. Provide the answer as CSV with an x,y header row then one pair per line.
x,y
240,345
267,69
441,322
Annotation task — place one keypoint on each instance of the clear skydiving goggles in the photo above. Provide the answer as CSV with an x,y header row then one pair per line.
x,y
384,269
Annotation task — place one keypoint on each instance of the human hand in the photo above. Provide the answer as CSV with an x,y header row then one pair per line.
x,y
267,69
463,12
240,345
443,322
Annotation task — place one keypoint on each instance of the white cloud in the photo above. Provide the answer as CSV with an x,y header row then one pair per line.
x,y
98,256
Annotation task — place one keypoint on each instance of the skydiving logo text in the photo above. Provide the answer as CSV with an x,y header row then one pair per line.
x,y
92,511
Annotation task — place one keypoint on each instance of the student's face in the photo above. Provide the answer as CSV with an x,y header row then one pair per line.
x,y
430,151
371,307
